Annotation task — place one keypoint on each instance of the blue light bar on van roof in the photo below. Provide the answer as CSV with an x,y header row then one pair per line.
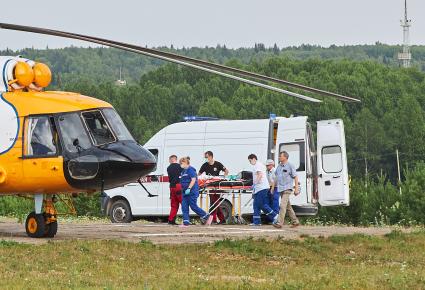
x,y
198,118
272,116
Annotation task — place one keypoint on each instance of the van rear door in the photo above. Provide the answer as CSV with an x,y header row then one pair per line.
x,y
332,163
291,137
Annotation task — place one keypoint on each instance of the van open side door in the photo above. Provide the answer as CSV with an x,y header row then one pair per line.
x,y
332,163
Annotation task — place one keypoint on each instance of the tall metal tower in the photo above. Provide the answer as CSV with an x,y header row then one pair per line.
x,y
405,56
121,82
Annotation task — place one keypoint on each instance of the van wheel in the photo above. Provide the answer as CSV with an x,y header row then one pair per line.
x,y
226,208
120,212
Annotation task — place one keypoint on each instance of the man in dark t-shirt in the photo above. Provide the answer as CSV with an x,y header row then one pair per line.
x,y
174,171
213,168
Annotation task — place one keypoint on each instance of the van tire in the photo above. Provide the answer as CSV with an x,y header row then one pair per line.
x,y
226,209
120,212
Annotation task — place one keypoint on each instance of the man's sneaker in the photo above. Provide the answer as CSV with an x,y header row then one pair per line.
x,y
295,225
255,225
207,220
173,223
277,225
222,223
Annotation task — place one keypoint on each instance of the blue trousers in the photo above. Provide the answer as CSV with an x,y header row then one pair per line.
x,y
261,203
191,201
274,200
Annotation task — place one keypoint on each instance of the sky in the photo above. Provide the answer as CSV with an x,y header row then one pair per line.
x,y
235,23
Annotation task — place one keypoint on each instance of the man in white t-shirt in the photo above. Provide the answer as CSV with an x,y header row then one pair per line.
x,y
261,187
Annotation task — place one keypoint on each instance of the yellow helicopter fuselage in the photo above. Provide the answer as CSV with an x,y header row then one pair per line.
x,y
25,174
53,143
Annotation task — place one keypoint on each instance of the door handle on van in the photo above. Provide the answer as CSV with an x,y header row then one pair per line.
x,y
337,176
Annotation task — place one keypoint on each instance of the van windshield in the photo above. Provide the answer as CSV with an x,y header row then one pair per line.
x,y
118,126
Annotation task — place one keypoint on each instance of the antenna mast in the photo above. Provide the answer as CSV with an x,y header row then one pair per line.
x,y
405,56
121,82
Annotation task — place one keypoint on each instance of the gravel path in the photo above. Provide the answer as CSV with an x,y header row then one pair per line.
x,y
164,234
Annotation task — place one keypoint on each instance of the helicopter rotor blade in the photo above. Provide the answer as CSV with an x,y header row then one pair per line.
x,y
229,69
194,63
111,44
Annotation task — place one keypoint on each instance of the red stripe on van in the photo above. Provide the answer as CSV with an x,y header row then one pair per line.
x,y
154,178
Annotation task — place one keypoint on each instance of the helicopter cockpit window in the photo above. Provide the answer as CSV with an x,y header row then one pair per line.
x,y
39,137
117,125
98,128
74,136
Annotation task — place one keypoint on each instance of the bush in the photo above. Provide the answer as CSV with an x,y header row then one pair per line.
x,y
412,205
380,202
86,205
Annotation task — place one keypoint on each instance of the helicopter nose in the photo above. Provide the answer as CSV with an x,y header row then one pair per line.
x,y
127,162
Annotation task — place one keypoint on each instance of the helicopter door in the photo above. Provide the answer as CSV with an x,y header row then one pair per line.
x,y
41,151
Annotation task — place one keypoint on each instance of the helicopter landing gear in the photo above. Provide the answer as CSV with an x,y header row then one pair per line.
x,y
43,221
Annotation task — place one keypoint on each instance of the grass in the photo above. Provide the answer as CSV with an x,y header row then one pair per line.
x,y
395,261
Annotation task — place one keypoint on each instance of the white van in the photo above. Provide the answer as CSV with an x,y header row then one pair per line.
x,y
323,175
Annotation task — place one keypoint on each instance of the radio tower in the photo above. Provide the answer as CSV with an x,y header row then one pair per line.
x,y
405,56
120,82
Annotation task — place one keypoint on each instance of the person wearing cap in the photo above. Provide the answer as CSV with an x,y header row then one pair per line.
x,y
273,193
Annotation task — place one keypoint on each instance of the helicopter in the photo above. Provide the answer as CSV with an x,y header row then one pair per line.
x,y
54,143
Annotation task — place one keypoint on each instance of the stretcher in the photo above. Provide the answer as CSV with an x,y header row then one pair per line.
x,y
226,189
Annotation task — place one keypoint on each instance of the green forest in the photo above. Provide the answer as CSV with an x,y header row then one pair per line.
x,y
389,118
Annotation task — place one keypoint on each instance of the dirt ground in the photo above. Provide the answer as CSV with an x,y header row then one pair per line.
x,y
160,233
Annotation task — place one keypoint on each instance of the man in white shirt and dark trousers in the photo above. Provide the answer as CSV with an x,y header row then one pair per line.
x,y
286,174
261,189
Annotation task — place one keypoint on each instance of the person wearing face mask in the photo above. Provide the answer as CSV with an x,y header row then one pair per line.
x,y
190,190
214,168
261,189
174,170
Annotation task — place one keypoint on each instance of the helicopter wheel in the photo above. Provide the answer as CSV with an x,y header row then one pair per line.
x,y
35,225
44,224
